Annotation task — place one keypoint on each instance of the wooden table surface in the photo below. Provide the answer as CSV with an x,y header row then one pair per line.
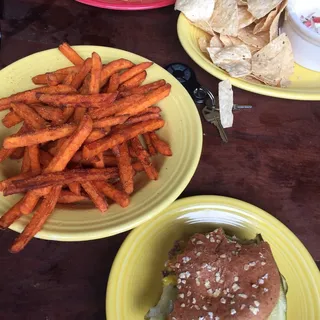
x,y
271,160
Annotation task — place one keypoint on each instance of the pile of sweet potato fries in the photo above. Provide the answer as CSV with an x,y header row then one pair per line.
x,y
79,137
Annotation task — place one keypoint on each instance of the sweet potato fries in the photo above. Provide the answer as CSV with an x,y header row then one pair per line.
x,y
82,137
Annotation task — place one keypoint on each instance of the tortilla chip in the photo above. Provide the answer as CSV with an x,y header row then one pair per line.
x,y
225,17
242,2
215,41
236,42
252,79
236,60
254,40
225,40
205,26
225,95
245,17
265,23
274,63
275,23
259,8
203,44
193,11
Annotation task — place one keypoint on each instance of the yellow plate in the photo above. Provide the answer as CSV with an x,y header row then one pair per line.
x,y
305,84
182,130
135,280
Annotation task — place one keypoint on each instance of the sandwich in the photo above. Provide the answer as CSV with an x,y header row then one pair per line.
x,y
214,276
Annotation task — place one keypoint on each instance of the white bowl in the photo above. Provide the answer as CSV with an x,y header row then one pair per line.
x,y
305,42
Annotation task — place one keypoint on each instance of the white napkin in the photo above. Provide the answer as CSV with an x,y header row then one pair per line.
x,y
226,103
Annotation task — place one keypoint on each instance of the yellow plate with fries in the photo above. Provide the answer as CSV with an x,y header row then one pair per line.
x,y
82,221
305,84
135,283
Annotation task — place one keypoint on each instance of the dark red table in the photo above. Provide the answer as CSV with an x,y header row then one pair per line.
x,y
271,160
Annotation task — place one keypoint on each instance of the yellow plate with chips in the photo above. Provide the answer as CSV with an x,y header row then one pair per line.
x,y
305,84
83,221
135,280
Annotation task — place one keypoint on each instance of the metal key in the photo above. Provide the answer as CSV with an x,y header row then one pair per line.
x,y
216,121
213,116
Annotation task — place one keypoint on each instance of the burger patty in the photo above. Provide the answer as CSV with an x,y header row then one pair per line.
x,y
219,278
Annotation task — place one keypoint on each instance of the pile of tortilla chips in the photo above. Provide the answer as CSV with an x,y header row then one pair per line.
x,y
244,37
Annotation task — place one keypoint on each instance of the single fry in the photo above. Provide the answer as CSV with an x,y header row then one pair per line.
x,y
114,66
6,182
29,202
95,135
30,117
17,153
78,114
110,161
75,187
45,78
143,157
53,79
151,149
134,81
5,153
39,218
143,117
70,54
68,79
81,74
117,106
143,89
94,148
161,146
70,146
84,89
11,216
95,195
78,159
45,158
132,152
153,109
34,158
58,178
47,112
8,152
125,76
70,197
40,136
94,86
109,121
11,119
114,83
77,100
98,161
25,166
53,150
114,194
124,165
149,99
30,96
137,166
67,112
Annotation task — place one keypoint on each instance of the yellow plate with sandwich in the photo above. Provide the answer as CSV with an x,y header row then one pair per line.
x,y
136,280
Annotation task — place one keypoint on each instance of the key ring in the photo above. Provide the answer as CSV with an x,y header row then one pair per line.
x,y
186,76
